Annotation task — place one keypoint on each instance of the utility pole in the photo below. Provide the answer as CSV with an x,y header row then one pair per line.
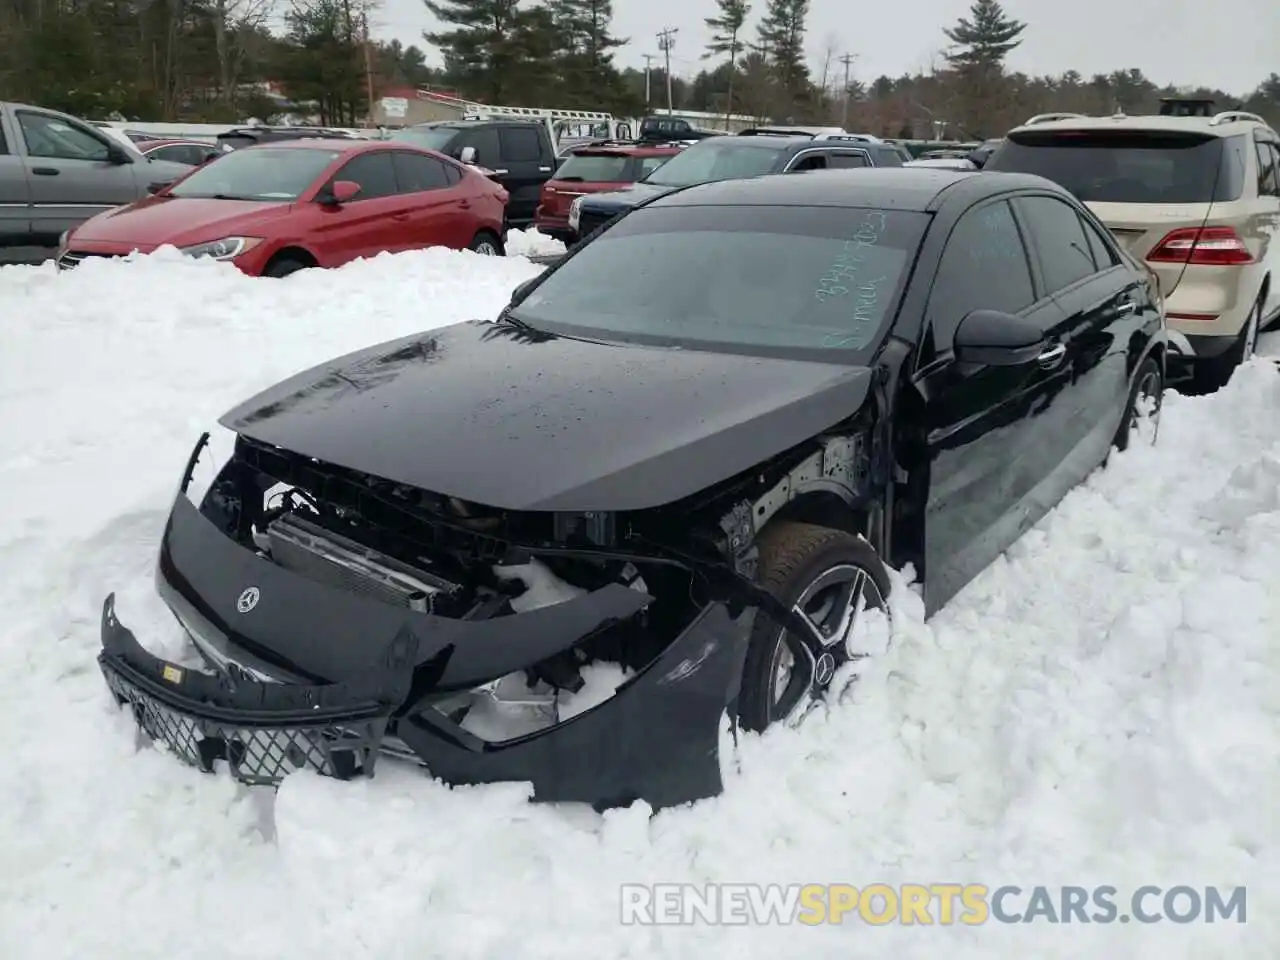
x,y
847,60
667,40
648,96
368,65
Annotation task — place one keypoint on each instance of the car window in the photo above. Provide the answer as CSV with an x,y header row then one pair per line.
x,y
806,282
1104,257
1057,235
260,173
416,173
816,161
984,267
374,172
452,173
1268,177
520,144
842,161
4,147
56,139
720,158
595,168
650,164
178,153
1128,166
485,142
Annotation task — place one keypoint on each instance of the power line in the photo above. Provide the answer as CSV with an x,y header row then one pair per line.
x,y
667,40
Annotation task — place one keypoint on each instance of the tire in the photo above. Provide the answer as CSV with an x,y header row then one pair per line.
x,y
486,243
794,558
1148,388
1210,375
282,268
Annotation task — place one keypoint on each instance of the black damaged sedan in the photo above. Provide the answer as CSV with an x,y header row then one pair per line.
x,y
662,487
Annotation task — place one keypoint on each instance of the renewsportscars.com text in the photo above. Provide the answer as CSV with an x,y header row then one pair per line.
x,y
923,904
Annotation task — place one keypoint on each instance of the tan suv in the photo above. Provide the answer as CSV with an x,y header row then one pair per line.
x,y
1196,198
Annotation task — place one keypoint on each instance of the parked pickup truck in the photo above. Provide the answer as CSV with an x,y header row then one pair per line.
x,y
57,171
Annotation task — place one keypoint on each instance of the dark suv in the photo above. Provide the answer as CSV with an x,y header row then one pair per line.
x,y
749,154
520,153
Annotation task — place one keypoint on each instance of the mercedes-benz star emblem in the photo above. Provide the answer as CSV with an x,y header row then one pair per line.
x,y
824,669
247,600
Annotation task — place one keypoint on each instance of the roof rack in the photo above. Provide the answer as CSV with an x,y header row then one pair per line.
x,y
1234,116
1049,117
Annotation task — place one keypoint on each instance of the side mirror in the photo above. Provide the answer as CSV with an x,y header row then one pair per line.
x,y
996,339
522,290
154,188
342,191
467,154
116,154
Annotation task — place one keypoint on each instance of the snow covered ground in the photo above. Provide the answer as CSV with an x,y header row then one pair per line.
x,y
1098,708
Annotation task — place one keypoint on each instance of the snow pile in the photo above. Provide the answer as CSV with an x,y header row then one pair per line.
x,y
532,243
1101,706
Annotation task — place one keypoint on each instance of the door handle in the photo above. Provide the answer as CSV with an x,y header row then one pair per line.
x,y
400,216
464,203
502,173
544,169
45,171
1052,356
1126,306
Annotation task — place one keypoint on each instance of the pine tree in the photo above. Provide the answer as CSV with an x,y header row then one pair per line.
x,y
984,39
484,48
725,31
782,32
587,65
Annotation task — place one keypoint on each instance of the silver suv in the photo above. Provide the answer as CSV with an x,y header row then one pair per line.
x,y
56,172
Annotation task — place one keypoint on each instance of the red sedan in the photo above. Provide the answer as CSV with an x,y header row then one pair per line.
x,y
277,208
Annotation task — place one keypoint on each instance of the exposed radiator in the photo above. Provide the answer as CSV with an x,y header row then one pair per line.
x,y
310,550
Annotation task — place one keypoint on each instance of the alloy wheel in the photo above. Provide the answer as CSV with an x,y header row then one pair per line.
x,y
846,619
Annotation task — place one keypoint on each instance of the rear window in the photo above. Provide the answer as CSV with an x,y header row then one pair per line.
x,y
1128,167
596,168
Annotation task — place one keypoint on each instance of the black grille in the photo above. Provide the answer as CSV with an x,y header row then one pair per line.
x,y
589,223
73,258
255,754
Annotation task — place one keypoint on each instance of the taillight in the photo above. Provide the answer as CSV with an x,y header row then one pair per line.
x,y
1202,246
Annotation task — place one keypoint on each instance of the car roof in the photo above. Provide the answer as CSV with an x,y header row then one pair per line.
x,y
902,188
1225,124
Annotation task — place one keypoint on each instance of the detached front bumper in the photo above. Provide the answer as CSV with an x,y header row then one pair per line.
x,y
264,731
374,673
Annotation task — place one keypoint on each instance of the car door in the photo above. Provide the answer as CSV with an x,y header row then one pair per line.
x,y
1104,304
524,169
985,446
1268,150
70,173
15,196
376,219
438,209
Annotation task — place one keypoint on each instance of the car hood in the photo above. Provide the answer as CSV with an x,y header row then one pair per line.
x,y
628,197
178,220
515,420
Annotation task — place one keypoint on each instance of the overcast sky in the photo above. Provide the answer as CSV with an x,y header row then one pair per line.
x,y
1231,44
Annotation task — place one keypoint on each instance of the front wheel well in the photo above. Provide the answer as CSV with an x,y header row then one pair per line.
x,y
824,509
296,254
